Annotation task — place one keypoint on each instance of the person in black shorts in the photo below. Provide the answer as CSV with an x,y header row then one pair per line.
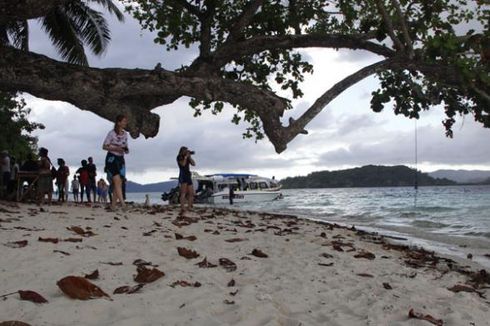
x,y
116,145
184,160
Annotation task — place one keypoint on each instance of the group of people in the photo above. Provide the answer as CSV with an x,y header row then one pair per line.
x,y
84,180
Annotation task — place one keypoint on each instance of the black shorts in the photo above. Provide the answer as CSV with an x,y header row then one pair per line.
x,y
114,165
185,178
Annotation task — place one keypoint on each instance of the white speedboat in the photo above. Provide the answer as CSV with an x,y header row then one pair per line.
x,y
218,188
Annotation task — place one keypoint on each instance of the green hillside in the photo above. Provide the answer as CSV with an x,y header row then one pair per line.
x,y
366,176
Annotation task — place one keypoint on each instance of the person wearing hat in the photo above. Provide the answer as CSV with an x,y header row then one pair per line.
x,y
5,172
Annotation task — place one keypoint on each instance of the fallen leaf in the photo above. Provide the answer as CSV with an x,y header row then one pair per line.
x,y
387,286
206,264
185,284
187,253
228,301
328,265
326,255
365,275
92,276
62,252
113,263
128,289
52,240
181,237
17,244
236,239
32,296
146,275
13,323
429,318
80,288
365,254
259,253
227,264
231,283
73,240
141,262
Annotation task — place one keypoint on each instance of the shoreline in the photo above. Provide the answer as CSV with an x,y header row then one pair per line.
x,y
315,273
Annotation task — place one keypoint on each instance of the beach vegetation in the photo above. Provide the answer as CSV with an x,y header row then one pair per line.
x,y
251,55
16,129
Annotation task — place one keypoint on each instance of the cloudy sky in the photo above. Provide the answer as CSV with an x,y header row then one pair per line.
x,y
346,134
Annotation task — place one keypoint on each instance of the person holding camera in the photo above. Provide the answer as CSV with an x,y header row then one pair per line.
x,y
116,145
184,160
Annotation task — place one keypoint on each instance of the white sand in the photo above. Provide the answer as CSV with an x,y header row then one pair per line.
x,y
289,287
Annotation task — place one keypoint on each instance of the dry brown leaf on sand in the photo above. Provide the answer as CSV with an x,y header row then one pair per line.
x,y
77,287
146,275
52,240
365,254
32,296
92,276
128,289
259,253
187,253
227,264
205,264
13,323
429,318
17,244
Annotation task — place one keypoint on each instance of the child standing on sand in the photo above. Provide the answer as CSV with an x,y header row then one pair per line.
x,y
75,187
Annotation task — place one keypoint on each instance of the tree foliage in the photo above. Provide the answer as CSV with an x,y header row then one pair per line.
x,y
444,43
15,134
249,54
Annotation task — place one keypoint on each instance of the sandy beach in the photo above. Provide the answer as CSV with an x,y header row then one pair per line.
x,y
232,268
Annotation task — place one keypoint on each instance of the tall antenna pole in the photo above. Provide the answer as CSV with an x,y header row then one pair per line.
x,y
416,186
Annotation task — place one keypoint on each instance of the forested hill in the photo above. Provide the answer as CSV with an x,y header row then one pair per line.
x,y
366,176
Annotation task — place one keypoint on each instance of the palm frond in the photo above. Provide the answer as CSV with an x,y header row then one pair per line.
x,y
92,26
16,34
111,8
19,34
63,32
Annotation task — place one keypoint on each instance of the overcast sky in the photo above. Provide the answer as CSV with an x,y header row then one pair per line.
x,y
346,134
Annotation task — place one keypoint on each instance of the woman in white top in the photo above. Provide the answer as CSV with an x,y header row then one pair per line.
x,y
116,145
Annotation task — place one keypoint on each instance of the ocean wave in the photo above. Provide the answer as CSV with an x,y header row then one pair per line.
x,y
478,234
429,224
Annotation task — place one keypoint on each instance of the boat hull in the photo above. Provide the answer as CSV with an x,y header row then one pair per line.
x,y
223,197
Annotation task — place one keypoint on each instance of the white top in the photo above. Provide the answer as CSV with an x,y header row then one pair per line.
x,y
75,184
113,138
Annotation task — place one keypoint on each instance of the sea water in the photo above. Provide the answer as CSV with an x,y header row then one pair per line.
x,y
451,220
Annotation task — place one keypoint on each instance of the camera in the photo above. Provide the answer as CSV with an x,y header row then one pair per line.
x,y
192,152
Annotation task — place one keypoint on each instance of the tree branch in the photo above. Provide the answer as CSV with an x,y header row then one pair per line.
x,y
135,92
389,25
403,23
297,126
13,10
243,20
262,43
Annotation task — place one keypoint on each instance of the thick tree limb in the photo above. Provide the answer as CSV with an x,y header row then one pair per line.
x,y
135,92
262,43
13,10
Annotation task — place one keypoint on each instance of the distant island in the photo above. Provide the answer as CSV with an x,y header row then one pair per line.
x,y
366,176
